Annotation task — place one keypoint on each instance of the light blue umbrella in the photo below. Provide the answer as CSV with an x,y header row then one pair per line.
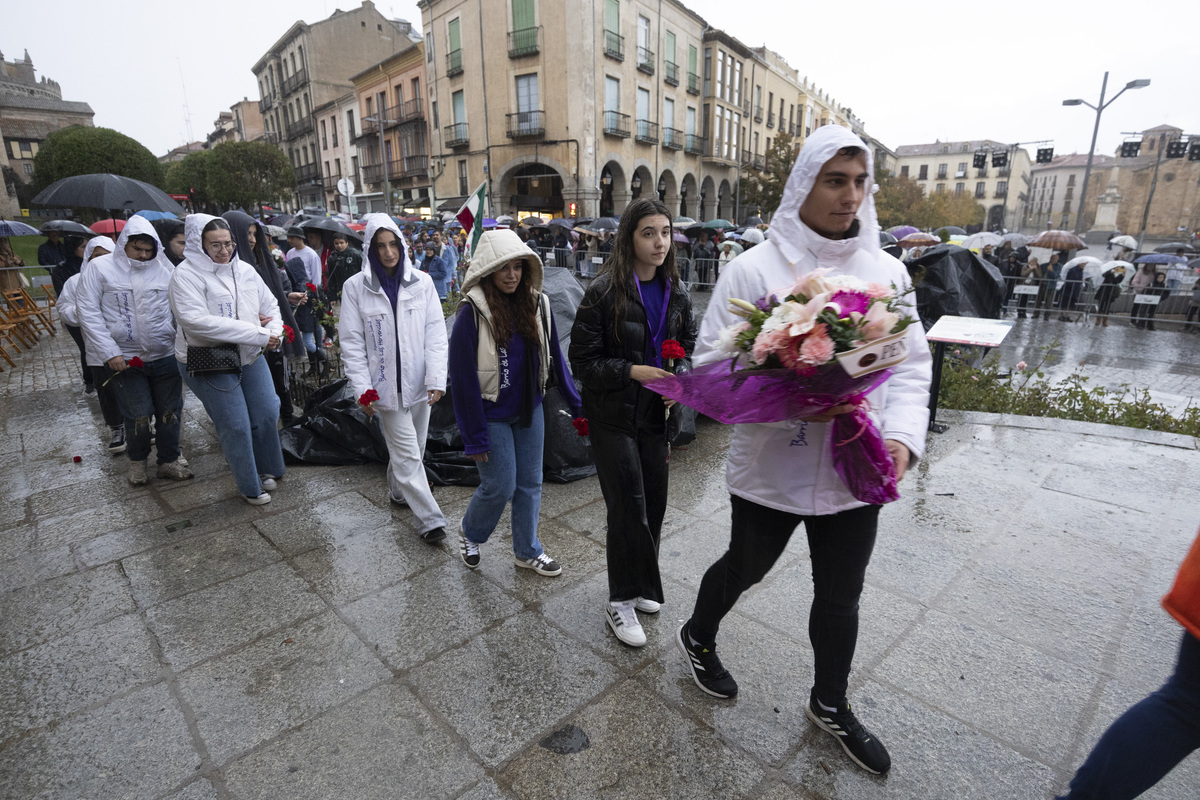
x,y
10,227
1160,258
152,215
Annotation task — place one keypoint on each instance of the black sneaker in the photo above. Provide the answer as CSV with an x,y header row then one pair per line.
x,y
468,550
706,668
859,743
435,535
117,443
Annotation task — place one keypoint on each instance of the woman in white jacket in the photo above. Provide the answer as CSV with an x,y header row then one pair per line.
x,y
393,339
219,299
780,475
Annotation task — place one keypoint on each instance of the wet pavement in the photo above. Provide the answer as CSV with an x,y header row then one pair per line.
x,y
174,642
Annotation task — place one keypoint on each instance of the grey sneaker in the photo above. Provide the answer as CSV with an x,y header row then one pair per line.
x,y
261,500
268,483
137,473
542,565
647,606
174,470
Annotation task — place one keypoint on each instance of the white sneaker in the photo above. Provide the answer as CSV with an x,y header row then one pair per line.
x,y
647,606
137,473
268,483
261,500
623,620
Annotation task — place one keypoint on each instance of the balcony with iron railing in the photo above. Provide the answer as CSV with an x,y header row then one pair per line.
x,y
758,113
671,73
307,174
525,124
694,144
414,166
409,111
770,119
747,158
616,124
672,139
647,131
614,45
693,86
331,181
1000,193
454,63
367,130
456,135
266,104
294,81
645,61
980,194
525,42
760,162
299,128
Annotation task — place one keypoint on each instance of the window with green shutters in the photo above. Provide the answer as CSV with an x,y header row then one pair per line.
x,y
523,40
454,50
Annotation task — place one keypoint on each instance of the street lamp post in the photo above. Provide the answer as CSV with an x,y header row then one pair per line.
x,y
1099,109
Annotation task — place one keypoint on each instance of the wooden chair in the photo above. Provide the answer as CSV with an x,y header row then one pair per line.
x,y
22,305
42,312
19,326
6,334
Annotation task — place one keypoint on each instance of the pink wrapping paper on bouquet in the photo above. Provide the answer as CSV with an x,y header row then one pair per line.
x,y
860,456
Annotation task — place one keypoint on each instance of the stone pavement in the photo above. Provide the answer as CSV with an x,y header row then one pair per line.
x,y
174,642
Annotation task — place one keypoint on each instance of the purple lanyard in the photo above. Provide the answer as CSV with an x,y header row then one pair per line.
x,y
662,323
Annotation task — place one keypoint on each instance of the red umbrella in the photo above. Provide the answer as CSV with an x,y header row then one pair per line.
x,y
1058,240
108,227
356,226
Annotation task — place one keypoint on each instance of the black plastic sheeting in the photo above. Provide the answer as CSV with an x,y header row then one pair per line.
x,y
333,430
953,280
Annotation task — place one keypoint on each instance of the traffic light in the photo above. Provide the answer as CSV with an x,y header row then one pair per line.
x,y
999,159
980,159
1194,150
1045,155
1176,149
1130,149
571,209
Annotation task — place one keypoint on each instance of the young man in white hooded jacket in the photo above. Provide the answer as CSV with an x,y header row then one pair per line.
x,y
781,474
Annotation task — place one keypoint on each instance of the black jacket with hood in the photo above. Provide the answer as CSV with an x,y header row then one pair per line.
x,y
264,264
601,356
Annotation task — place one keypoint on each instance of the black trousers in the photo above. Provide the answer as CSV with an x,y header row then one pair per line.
x,y
633,479
278,368
840,546
77,335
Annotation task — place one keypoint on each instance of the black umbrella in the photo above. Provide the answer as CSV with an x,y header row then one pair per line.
x,y
531,221
69,227
751,221
886,238
108,192
331,225
951,230
604,224
559,222
1169,247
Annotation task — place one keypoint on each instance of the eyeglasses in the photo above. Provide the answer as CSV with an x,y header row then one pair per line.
x,y
220,245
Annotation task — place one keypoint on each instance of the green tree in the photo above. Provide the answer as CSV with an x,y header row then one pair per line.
x,y
899,200
765,189
79,150
190,176
248,174
950,209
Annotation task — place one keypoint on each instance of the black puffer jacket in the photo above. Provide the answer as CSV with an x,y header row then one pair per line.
x,y
601,363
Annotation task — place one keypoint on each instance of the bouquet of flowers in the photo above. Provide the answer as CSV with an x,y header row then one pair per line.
x,y
829,341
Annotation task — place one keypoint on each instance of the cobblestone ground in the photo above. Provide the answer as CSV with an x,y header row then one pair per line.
x,y
172,642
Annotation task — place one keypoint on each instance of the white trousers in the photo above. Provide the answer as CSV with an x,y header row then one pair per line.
x,y
405,431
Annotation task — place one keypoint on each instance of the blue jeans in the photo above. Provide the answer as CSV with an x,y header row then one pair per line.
x,y
1148,740
151,391
310,341
513,472
244,413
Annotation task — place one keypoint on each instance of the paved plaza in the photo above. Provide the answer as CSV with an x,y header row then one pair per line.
x,y
172,641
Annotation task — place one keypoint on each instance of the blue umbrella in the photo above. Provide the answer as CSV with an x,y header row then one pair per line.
x,y
10,227
1160,258
152,215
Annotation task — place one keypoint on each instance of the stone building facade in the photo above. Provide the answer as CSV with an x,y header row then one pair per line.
x,y
949,167
30,110
1055,199
583,105
308,68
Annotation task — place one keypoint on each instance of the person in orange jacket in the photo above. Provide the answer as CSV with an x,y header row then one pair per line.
x,y
1149,739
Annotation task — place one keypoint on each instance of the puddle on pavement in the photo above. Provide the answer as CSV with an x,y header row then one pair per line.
x,y
565,741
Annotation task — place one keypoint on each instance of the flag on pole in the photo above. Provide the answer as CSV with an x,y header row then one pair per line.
x,y
471,216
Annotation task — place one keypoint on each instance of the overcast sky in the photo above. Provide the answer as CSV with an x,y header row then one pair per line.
x,y
914,72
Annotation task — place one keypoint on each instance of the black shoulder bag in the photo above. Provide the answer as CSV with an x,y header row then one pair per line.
x,y
216,359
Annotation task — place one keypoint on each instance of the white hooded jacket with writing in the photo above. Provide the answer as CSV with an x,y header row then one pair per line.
x,y
371,334
220,303
121,304
788,465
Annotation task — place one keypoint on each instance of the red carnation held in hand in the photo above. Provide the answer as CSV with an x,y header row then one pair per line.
x,y
672,349
289,334
368,397
581,425
136,363
311,287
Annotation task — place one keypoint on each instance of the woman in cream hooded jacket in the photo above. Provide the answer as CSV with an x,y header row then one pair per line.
x,y
397,348
226,302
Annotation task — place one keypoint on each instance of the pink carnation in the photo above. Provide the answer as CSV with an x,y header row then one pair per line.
x,y
878,290
818,347
775,341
